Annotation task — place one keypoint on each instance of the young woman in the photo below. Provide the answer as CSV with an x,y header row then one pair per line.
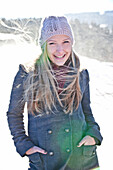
x,y
62,132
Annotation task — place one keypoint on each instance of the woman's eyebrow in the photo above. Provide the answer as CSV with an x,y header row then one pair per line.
x,y
66,39
51,40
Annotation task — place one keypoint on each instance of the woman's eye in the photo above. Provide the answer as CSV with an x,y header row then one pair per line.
x,y
66,42
51,43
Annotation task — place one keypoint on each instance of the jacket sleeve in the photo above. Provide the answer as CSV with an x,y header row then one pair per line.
x,y
93,128
15,114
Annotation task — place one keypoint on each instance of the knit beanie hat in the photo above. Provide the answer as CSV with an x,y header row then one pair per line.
x,y
53,25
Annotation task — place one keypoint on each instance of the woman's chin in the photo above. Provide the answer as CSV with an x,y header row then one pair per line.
x,y
60,61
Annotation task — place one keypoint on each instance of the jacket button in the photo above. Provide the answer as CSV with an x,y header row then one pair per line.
x,y
67,150
50,131
51,153
66,130
94,153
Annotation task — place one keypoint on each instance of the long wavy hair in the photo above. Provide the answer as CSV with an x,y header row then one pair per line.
x,y
42,89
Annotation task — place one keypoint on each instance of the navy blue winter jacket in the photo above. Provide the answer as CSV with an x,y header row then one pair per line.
x,y
59,133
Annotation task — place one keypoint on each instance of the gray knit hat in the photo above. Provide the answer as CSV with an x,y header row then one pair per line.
x,y
54,26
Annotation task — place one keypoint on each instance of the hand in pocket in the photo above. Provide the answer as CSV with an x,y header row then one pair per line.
x,y
35,149
87,140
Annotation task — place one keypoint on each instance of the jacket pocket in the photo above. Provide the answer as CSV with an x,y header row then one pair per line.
x,y
35,161
89,150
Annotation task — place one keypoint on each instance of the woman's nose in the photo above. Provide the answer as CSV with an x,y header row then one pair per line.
x,y
59,49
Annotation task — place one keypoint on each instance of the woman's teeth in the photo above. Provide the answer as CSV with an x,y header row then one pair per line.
x,y
60,56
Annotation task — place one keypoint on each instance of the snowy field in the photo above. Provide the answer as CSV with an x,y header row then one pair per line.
x,y
101,87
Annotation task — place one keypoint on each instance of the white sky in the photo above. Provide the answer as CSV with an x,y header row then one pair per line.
x,y
42,8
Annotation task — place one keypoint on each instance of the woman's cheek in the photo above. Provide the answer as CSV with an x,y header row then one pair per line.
x,y
51,50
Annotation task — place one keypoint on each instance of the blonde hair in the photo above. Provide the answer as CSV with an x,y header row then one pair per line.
x,y
41,85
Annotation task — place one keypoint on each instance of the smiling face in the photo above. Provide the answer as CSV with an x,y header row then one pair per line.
x,y
59,48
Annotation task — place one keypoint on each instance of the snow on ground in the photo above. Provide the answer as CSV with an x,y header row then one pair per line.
x,y
101,87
